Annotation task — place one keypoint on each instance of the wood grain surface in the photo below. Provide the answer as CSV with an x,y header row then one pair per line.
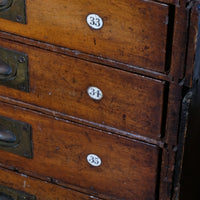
x,y
130,102
40,189
128,170
134,31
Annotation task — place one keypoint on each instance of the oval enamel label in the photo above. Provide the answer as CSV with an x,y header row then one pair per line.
x,y
94,21
95,93
94,160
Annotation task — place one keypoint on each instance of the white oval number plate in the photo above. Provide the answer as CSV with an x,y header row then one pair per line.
x,y
95,93
94,21
94,160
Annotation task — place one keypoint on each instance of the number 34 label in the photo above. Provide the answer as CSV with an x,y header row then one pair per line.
x,y
94,21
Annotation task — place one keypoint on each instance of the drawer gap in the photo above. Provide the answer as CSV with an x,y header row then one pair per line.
x,y
158,175
170,30
165,108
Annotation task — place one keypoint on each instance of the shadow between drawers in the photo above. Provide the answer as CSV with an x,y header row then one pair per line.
x,y
165,108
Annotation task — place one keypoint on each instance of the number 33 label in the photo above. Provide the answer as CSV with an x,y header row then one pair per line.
x,y
94,21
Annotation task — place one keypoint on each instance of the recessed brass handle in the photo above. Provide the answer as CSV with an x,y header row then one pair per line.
x,y
5,4
5,197
5,70
7,136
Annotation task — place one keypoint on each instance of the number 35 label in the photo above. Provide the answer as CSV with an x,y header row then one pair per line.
x,y
94,160
94,21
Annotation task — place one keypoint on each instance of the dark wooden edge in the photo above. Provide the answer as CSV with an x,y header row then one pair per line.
x,y
185,112
191,47
192,75
189,187
177,71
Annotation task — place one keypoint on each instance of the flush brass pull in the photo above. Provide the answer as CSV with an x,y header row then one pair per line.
x,y
7,136
16,137
5,197
4,4
14,69
13,10
7,193
5,70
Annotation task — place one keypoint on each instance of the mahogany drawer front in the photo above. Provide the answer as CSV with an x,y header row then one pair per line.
x,y
130,102
39,189
61,149
133,32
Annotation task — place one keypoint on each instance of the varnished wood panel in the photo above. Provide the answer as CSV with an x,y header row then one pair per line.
x,y
134,31
128,171
40,189
130,102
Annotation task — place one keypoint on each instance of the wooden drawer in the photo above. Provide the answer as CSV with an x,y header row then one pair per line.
x,y
61,150
39,189
133,32
130,102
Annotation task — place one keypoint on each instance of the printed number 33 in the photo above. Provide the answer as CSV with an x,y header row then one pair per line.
x,y
94,21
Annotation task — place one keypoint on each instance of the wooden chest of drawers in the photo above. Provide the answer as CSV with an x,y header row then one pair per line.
x,y
91,95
